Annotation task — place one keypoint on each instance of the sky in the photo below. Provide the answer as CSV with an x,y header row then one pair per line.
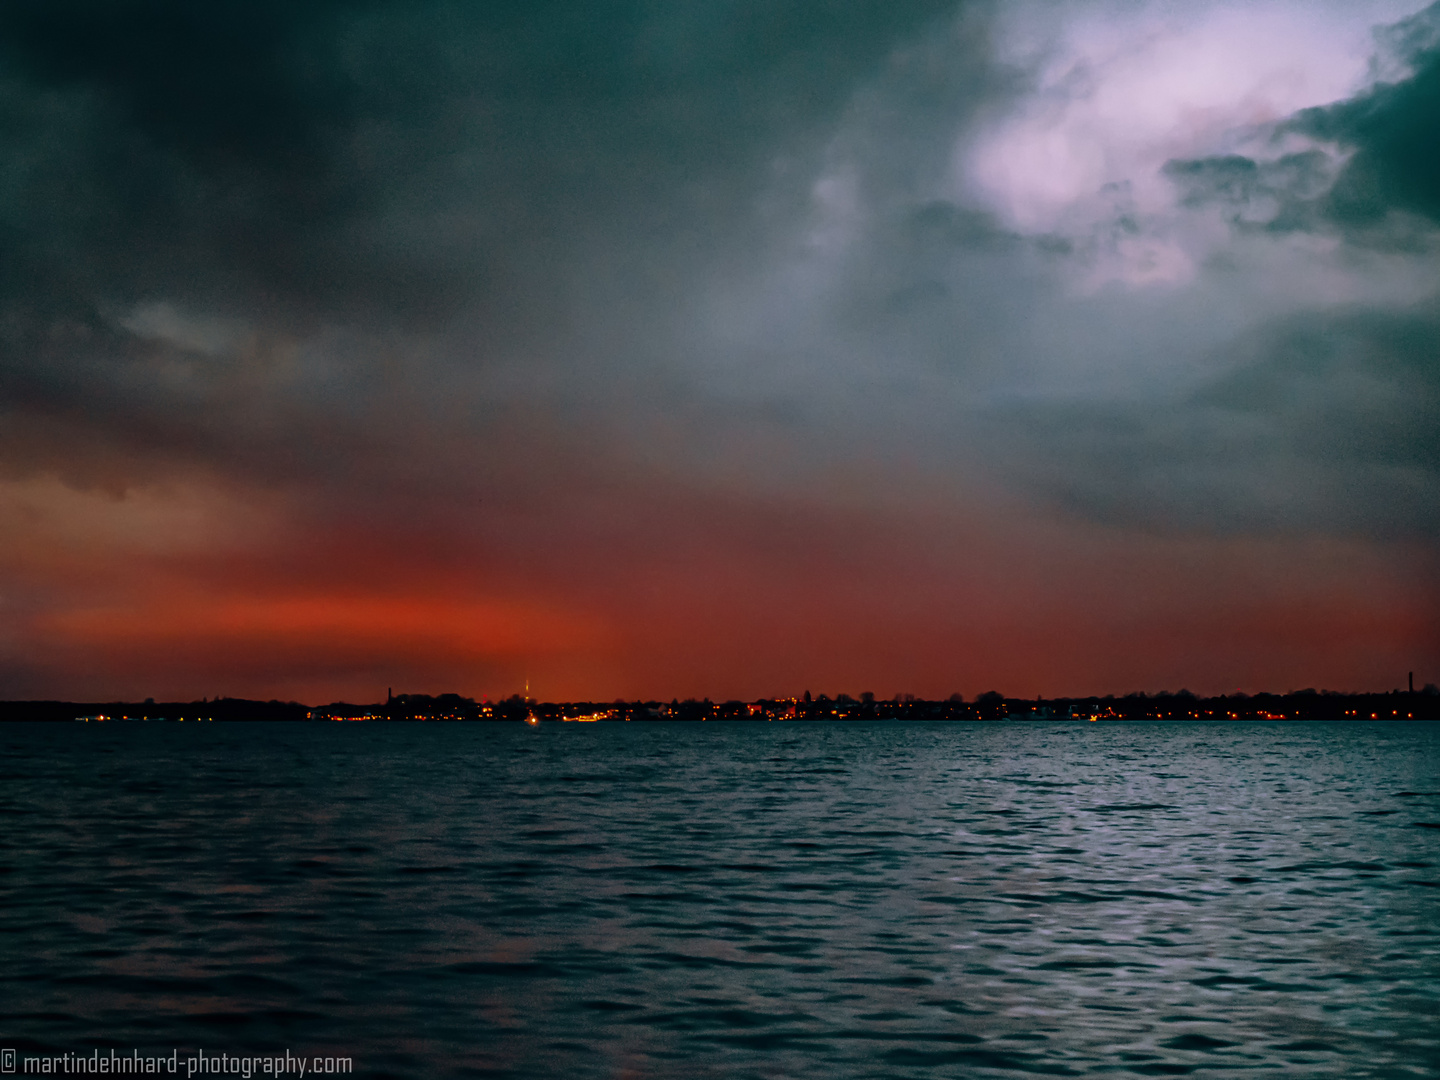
x,y
725,349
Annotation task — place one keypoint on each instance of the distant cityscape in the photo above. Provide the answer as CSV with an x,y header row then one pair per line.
x,y
1409,704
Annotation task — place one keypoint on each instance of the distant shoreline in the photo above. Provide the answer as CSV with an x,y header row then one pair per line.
x,y
1301,705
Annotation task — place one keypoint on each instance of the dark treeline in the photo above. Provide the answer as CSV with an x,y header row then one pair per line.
x,y
1300,705
209,709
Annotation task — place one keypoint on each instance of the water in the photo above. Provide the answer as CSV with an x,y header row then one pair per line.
x,y
729,900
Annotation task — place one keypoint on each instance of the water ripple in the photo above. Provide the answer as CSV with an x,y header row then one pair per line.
x,y
729,900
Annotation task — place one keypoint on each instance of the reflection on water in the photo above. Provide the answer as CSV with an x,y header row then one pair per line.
x,y
729,900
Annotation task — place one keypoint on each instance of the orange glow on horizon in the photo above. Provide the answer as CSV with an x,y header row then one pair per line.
x,y
690,594
506,628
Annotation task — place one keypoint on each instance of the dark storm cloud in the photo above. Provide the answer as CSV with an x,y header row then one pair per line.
x,y
163,145
1395,164
1389,159
281,240
262,145
377,167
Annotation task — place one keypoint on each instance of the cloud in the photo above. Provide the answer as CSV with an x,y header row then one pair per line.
x,y
1280,194
1393,166
1282,377
282,148
544,307
226,227
1124,95
1377,176
1321,423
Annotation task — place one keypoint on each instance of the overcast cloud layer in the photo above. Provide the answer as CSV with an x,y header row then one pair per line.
x,y
717,348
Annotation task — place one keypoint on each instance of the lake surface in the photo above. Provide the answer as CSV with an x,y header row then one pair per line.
x,y
729,900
